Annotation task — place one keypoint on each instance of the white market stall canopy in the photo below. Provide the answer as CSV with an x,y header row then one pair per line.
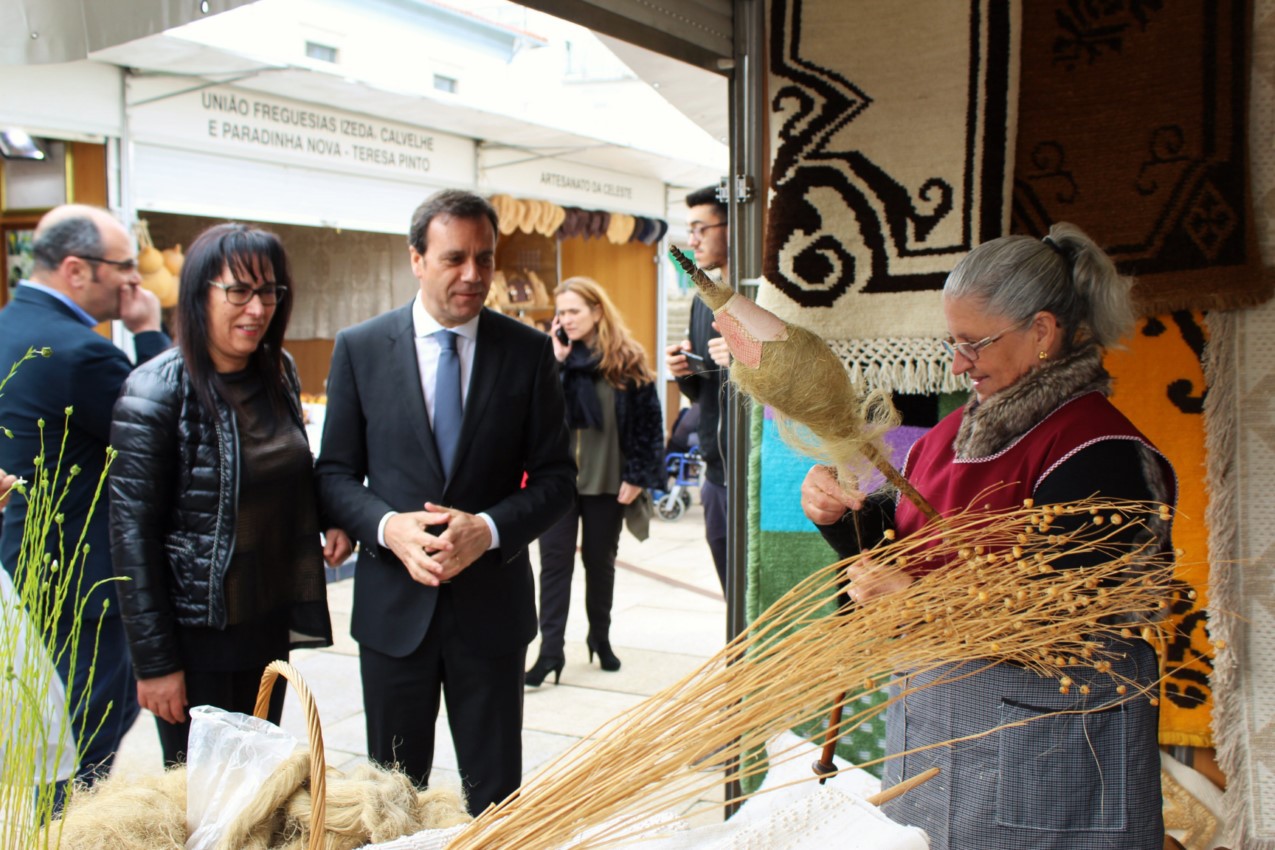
x,y
37,32
699,32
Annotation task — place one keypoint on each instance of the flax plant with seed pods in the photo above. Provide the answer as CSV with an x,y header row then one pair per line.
x,y
37,737
1009,593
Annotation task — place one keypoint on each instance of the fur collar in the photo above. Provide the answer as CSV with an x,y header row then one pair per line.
x,y
989,427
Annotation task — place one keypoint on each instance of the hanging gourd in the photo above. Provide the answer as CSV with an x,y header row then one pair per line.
x,y
156,275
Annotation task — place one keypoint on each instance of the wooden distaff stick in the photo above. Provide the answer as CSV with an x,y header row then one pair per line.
x,y
793,370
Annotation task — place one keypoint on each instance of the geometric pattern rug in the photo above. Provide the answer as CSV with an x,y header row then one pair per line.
x,y
1242,610
1158,382
1242,470
892,137
1132,125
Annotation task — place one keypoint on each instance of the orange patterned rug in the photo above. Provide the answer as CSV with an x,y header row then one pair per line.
x,y
1159,384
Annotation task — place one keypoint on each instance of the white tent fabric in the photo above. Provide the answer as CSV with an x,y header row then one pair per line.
x,y
35,32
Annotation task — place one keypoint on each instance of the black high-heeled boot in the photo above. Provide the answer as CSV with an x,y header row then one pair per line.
x,y
542,668
606,658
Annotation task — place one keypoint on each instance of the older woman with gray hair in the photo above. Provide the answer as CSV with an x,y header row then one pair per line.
x,y
1028,321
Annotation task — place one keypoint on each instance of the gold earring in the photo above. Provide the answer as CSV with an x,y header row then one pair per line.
x,y
1044,355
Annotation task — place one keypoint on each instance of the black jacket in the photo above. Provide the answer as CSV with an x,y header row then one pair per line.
x,y
174,495
84,373
707,388
379,455
640,422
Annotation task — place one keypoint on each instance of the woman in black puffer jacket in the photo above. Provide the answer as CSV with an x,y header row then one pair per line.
x,y
617,437
214,519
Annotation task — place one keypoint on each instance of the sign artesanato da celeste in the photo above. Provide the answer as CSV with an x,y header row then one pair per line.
x,y
238,123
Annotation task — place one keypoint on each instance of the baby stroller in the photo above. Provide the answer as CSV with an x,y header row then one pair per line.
x,y
684,464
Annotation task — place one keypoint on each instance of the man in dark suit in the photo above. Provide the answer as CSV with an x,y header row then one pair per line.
x,y
85,272
442,406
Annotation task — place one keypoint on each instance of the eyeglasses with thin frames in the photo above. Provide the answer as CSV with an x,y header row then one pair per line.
x,y
126,266
971,350
698,230
239,293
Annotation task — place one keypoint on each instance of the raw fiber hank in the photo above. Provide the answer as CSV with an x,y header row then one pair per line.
x,y
149,813
999,600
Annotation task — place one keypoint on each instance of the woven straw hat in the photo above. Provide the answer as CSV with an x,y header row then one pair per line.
x,y
557,216
619,228
527,216
506,213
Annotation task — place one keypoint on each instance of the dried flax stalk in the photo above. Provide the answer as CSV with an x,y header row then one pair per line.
x,y
1000,600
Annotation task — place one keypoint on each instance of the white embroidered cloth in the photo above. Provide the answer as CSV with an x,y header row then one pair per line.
x,y
793,811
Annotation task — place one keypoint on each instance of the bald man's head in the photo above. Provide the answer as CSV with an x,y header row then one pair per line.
x,y
72,230
87,255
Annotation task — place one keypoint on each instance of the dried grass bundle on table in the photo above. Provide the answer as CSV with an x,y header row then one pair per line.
x,y
1001,601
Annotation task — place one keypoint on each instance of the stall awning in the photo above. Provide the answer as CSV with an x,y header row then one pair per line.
x,y
38,32
700,32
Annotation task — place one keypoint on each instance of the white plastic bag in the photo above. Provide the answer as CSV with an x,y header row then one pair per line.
x,y
228,758
32,680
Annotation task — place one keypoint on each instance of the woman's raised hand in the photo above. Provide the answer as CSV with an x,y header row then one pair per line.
x,y
823,499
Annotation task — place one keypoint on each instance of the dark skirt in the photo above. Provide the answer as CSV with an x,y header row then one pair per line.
x,y
1084,780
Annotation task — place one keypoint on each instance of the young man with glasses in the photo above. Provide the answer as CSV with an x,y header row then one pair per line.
x,y
711,245
85,273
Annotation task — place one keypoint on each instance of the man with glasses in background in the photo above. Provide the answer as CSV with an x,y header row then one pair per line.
x,y
700,362
85,272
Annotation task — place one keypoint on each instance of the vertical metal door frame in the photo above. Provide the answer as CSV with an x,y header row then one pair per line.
x,y
747,168
746,208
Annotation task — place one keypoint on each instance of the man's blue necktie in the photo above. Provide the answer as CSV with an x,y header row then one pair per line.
x,y
447,403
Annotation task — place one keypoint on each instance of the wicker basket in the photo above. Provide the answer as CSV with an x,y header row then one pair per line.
x,y
314,733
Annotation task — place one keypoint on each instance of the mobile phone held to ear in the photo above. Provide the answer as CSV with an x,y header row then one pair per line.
x,y
562,336
695,362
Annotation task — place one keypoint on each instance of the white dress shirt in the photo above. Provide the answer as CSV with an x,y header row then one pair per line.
x,y
424,326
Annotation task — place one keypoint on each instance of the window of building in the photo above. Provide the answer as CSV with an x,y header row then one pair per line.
x,y
321,52
445,83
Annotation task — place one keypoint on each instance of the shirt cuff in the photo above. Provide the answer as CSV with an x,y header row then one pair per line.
x,y
380,529
495,535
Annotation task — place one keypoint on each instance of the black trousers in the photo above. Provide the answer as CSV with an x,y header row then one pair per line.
x,y
713,497
232,691
601,518
484,709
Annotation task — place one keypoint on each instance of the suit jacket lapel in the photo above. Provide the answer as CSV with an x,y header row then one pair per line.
x,y
406,377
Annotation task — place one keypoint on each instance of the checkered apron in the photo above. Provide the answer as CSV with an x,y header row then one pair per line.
x,y
1078,781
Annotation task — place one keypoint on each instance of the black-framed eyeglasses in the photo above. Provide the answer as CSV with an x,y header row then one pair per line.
x,y
239,293
971,350
697,230
129,265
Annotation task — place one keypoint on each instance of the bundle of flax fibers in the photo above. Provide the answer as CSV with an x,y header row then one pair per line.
x,y
1002,600
149,813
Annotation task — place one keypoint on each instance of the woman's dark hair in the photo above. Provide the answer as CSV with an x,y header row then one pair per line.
x,y
252,255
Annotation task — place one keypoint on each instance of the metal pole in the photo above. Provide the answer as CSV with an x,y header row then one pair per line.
x,y
746,218
747,149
